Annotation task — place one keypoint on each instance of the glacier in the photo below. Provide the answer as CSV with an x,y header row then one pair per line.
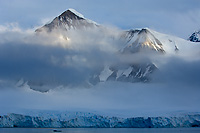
x,y
90,120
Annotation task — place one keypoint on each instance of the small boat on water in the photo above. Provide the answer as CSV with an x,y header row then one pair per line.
x,y
57,130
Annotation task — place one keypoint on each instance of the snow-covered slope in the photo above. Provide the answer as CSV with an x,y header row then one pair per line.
x,y
70,19
177,47
98,121
150,39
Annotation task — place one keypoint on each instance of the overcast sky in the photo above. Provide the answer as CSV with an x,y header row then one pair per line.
x,y
176,17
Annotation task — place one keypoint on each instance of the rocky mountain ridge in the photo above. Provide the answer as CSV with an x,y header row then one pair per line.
x,y
195,37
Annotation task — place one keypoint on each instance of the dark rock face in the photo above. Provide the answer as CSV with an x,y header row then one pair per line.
x,y
130,73
195,37
135,73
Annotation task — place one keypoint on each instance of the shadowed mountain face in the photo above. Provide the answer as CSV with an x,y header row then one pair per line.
x,y
68,20
128,73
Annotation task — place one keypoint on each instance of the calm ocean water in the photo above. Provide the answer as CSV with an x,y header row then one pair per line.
x,y
101,130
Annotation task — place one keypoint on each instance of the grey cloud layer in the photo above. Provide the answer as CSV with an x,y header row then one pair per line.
x,y
44,59
51,59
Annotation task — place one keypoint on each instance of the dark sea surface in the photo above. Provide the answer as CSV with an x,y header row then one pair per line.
x,y
100,130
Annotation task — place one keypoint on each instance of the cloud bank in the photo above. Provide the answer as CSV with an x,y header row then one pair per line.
x,y
55,61
54,58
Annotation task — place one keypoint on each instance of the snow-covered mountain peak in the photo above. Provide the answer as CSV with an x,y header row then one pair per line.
x,y
139,39
76,12
70,14
195,37
70,19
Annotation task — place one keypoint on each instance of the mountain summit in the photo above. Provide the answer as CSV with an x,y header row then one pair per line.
x,y
141,39
195,37
70,19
